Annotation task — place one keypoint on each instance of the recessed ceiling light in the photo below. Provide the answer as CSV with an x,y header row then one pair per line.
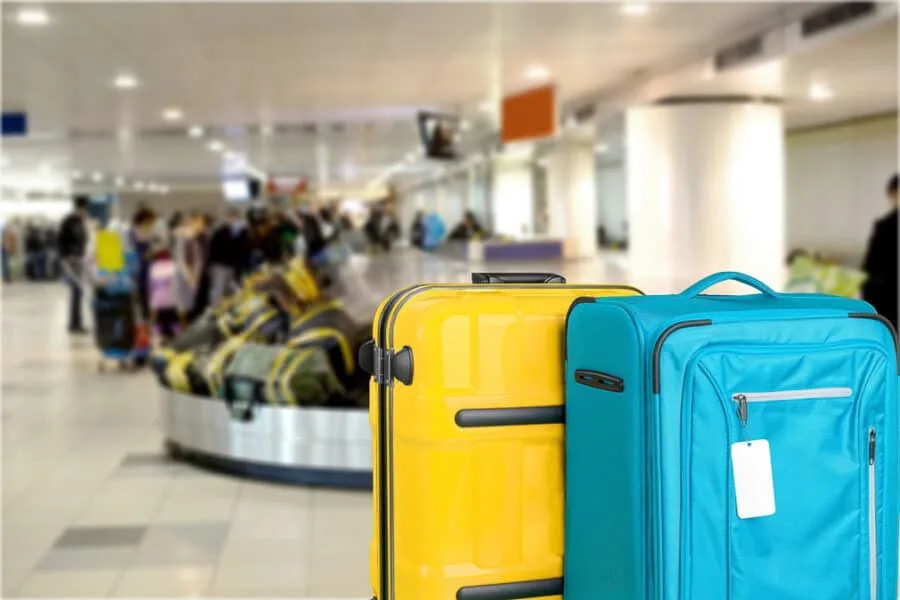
x,y
820,92
465,125
537,72
139,185
32,17
172,114
125,81
195,131
96,176
120,181
601,148
215,146
76,174
266,130
635,9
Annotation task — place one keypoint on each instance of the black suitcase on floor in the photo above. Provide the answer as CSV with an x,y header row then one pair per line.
x,y
115,322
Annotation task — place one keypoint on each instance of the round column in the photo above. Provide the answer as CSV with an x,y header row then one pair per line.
x,y
705,183
512,199
572,198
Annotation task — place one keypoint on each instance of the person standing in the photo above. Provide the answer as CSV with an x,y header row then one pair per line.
x,y
144,243
73,239
880,289
188,267
10,247
229,255
417,231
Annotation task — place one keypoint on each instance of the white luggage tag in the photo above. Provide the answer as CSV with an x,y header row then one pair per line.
x,y
754,485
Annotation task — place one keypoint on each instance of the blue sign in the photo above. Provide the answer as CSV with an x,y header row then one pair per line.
x,y
15,123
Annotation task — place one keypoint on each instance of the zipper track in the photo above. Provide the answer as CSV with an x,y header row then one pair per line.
x,y
873,525
380,342
808,394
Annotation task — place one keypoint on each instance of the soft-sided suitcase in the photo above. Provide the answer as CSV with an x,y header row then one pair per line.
x,y
280,376
466,410
730,448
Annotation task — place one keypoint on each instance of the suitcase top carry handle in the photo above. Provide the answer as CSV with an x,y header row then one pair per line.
x,y
520,278
707,282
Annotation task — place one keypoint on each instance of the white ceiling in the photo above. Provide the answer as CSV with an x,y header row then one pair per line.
x,y
860,71
370,66
227,63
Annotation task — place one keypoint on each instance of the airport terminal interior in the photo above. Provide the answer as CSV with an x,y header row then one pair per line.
x,y
184,171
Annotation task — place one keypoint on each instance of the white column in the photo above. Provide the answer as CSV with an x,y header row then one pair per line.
x,y
572,198
512,199
705,192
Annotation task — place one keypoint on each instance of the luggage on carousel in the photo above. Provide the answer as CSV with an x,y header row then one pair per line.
x,y
736,447
327,325
278,375
467,414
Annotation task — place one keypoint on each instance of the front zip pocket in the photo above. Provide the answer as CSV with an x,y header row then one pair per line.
x,y
744,399
873,529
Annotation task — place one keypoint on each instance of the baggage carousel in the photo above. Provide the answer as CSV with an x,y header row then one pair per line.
x,y
301,446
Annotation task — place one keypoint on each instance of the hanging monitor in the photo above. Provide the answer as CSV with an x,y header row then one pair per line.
x,y
440,135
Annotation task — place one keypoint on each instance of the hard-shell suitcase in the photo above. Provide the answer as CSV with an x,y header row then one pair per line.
x,y
466,410
730,448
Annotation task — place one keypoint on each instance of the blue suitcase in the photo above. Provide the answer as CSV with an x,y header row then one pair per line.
x,y
730,448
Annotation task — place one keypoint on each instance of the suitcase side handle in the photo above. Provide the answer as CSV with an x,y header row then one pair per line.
x,y
520,278
599,380
711,280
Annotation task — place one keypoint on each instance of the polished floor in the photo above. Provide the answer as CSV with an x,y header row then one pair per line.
x,y
93,508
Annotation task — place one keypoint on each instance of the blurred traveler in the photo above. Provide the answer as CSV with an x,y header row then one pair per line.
x,y
417,230
51,255
144,243
469,228
313,235
35,253
72,241
9,249
229,253
188,266
880,289
202,234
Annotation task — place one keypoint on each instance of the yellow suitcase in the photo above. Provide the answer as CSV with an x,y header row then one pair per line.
x,y
466,408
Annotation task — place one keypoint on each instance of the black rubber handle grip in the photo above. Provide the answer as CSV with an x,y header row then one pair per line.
x,y
486,278
366,357
601,381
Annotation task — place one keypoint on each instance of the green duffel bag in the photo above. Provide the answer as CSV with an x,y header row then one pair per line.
x,y
281,376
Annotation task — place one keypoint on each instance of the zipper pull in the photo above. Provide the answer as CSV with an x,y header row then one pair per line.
x,y
872,446
741,400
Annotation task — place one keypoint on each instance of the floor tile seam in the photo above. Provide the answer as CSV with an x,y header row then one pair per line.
x,y
150,521
34,571
218,562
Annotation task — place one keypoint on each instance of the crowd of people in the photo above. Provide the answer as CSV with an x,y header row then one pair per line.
x,y
211,254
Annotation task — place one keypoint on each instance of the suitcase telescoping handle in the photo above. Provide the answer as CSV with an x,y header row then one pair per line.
x,y
716,278
520,278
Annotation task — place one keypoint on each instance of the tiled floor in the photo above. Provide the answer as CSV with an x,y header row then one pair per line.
x,y
91,506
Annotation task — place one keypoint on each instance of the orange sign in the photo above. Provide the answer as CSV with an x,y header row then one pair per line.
x,y
529,115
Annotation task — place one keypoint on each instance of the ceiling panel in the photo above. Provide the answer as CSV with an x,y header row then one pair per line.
x,y
230,64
